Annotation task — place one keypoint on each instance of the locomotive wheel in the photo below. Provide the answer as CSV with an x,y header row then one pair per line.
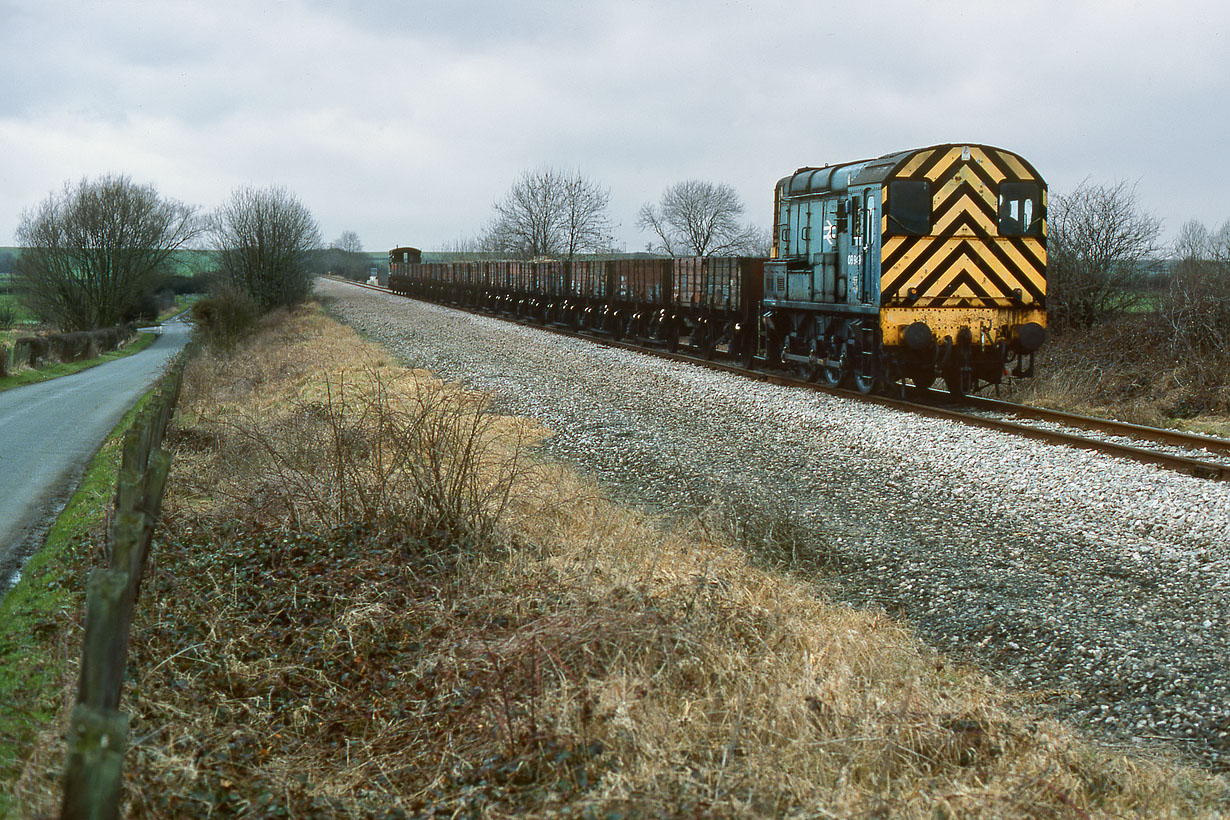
x,y
834,376
864,382
959,384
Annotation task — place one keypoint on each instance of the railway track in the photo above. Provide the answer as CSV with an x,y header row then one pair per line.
x,y
1195,455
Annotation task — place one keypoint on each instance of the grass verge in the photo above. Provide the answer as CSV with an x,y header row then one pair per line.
x,y
40,635
368,601
54,371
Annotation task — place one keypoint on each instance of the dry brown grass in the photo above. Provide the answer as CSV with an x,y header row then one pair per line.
x,y
563,656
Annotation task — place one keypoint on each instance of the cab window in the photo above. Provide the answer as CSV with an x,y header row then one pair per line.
x,y
909,207
1020,209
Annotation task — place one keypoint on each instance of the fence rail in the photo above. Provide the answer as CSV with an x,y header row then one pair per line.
x,y
98,731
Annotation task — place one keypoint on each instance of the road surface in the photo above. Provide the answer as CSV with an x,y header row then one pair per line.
x,y
50,430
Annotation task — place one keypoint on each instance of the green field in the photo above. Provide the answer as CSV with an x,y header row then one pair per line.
x,y
15,320
183,263
9,302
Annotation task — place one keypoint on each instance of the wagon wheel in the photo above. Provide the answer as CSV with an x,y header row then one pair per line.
x,y
708,341
671,331
748,354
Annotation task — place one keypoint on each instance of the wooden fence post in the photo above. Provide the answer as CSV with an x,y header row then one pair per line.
x,y
128,536
108,609
98,732
97,739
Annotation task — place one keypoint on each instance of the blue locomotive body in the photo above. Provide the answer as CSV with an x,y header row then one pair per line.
x,y
923,263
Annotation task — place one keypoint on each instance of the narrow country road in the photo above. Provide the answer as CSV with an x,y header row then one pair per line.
x,y
50,430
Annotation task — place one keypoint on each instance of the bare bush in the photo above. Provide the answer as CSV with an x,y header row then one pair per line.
x,y
1194,313
418,455
266,238
1100,245
225,316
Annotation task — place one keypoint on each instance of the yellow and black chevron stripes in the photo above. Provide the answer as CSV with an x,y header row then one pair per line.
x,y
964,258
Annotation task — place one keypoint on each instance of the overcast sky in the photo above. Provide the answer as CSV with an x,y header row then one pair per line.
x,y
404,122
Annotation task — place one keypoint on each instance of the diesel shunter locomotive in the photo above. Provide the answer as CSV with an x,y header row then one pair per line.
x,y
916,265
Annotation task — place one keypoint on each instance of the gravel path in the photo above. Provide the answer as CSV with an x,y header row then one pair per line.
x,y
1104,584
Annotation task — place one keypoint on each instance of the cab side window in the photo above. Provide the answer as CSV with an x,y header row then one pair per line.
x,y
909,207
1020,212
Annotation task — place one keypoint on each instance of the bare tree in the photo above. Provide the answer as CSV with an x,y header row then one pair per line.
x,y
1195,309
265,238
345,257
464,245
470,249
348,242
698,218
586,226
1100,246
548,212
93,254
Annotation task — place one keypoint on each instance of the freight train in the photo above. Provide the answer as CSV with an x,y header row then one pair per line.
x,y
922,264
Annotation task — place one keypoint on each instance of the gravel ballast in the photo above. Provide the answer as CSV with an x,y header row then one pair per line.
x,y
1102,584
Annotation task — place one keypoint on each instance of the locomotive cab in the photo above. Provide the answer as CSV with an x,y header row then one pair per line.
x,y
923,263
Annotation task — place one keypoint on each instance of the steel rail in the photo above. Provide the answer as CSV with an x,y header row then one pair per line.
x,y
1183,464
1142,432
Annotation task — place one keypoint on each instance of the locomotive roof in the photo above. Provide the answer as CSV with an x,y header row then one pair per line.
x,y
838,178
